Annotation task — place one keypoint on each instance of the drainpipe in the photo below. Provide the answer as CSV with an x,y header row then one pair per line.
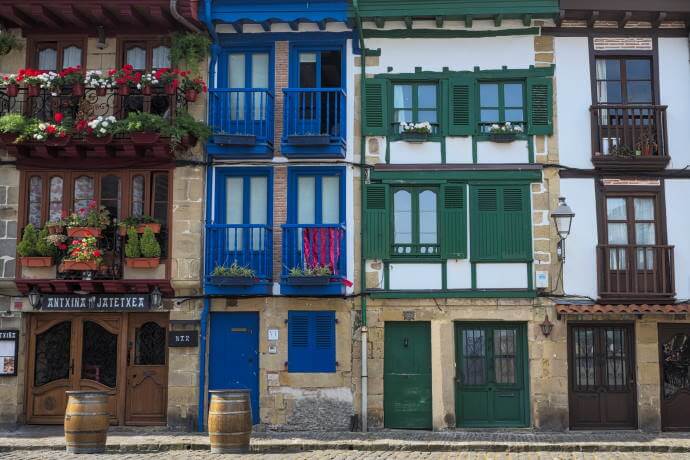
x,y
362,271
181,19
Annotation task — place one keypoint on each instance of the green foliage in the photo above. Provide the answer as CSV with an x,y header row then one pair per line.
x,y
185,125
140,122
149,245
234,270
316,270
27,246
13,123
133,221
132,250
9,42
191,48
43,247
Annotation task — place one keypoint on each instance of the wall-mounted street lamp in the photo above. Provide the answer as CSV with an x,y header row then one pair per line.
x,y
546,326
563,218
156,297
34,298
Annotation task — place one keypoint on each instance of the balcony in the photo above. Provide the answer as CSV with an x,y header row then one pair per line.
x,y
636,273
314,259
242,121
240,246
314,122
629,137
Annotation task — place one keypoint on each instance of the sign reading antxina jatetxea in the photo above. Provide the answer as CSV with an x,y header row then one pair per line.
x,y
96,302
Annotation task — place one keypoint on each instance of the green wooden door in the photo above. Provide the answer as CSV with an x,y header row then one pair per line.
x,y
491,375
407,375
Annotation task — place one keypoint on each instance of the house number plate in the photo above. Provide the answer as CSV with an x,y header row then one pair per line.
x,y
183,339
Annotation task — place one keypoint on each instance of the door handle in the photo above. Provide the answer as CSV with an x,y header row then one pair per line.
x,y
71,366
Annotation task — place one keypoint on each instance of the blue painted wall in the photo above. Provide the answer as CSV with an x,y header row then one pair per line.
x,y
228,11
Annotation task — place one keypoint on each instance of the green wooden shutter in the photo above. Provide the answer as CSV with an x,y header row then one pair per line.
x,y
376,221
517,235
485,223
453,221
376,108
461,113
539,106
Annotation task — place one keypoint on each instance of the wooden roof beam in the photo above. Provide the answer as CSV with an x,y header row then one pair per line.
x,y
15,15
102,16
439,22
46,17
157,16
238,26
592,18
498,20
294,25
625,19
266,26
408,22
321,24
559,18
659,19
380,22
468,21
527,20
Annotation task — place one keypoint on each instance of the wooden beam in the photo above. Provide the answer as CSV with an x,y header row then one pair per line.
x,y
439,21
157,16
294,25
238,26
14,15
266,26
592,18
625,19
46,17
380,22
468,21
102,16
527,20
498,20
321,24
559,18
408,22
659,19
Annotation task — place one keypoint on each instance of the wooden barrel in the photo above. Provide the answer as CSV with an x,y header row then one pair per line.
x,y
86,422
229,421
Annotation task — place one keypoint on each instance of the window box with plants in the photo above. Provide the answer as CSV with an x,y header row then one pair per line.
x,y
12,126
185,131
144,252
51,134
100,81
415,132
318,275
88,222
192,87
73,78
35,250
10,83
56,227
83,255
140,224
504,133
97,131
142,128
234,275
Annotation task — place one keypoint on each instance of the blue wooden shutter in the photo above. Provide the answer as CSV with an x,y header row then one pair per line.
x,y
311,341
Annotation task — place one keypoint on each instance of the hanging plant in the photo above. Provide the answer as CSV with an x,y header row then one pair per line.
x,y
191,48
8,43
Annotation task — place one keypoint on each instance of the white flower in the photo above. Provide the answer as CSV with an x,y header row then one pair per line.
x,y
103,130
42,126
105,124
39,137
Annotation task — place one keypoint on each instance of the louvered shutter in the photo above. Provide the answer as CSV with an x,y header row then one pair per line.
x,y
375,110
376,221
485,223
323,358
517,236
453,221
539,106
298,341
461,113
311,341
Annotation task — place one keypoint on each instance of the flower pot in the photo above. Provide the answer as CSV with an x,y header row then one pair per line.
x,y
58,141
414,137
101,92
146,90
143,262
54,229
36,262
155,228
78,90
144,138
502,138
123,90
33,90
232,280
77,265
190,95
83,232
170,89
12,90
309,280
8,138
93,140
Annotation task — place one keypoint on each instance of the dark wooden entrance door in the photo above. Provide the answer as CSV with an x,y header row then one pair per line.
x,y
407,375
601,366
72,352
491,380
147,369
674,356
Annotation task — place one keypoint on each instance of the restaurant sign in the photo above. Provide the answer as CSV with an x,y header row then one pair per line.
x,y
96,302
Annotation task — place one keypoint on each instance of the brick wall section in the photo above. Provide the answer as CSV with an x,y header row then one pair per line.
x,y
281,71
279,216
622,43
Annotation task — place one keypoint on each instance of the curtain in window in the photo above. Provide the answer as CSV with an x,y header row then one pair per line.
x,y
138,196
258,208
601,75
644,232
71,57
35,198
83,192
330,200
427,217
56,188
234,210
617,231
322,247
47,59
161,57
236,79
402,217
136,57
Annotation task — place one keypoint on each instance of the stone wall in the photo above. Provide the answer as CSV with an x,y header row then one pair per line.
x,y
12,387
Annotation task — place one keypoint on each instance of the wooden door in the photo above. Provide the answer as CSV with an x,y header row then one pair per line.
x,y
407,375
491,379
147,369
674,356
601,366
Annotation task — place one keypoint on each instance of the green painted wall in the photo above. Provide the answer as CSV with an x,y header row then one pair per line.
x,y
456,8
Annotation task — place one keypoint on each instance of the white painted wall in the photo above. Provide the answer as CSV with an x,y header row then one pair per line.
x,y
415,276
350,175
502,276
403,152
580,268
350,102
678,231
459,149
574,97
494,152
674,90
459,272
375,266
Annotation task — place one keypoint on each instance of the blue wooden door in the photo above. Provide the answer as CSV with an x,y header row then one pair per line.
x,y
234,355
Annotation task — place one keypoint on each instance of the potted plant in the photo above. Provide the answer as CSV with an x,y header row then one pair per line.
x,y
317,275
186,131
192,87
73,77
169,79
9,42
31,78
56,227
144,252
34,250
234,275
82,255
51,82
12,126
123,79
11,84
53,134
88,222
139,223
142,128
96,79
646,146
146,83
415,132
191,48
97,131
504,132
622,151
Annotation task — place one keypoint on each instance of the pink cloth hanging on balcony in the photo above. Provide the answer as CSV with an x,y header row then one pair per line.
x,y
321,247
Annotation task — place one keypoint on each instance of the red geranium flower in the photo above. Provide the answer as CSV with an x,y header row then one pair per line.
x,y
97,253
58,117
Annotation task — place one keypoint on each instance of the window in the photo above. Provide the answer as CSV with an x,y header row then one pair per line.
x,y
246,210
631,221
415,221
624,81
501,102
145,55
415,103
248,70
318,197
311,341
56,55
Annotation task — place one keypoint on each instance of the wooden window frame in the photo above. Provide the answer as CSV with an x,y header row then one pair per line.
x,y
624,78
437,127
33,45
125,42
501,108
415,191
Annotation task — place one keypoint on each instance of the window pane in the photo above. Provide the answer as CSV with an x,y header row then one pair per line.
x,y
514,115
236,70
71,57
111,195
330,200
47,59
512,94
427,217
644,233
161,57
504,356
56,187
403,115
307,70
402,209
83,192
610,92
488,94
306,199
473,351
402,96
639,91
258,204
618,233
427,115
644,208
608,69
234,200
615,209
136,57
638,69
160,197
35,197
260,70
489,115
426,96
138,196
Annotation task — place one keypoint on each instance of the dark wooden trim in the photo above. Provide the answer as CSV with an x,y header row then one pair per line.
x,y
61,42
459,167
147,41
605,32
575,173
627,5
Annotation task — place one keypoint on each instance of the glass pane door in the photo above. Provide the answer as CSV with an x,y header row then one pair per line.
x,y
99,354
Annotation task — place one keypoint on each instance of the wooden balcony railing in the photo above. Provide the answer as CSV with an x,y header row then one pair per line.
x,y
629,136
306,246
314,116
636,272
241,116
246,245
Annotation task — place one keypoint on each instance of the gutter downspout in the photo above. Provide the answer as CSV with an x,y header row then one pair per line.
x,y
181,19
362,272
